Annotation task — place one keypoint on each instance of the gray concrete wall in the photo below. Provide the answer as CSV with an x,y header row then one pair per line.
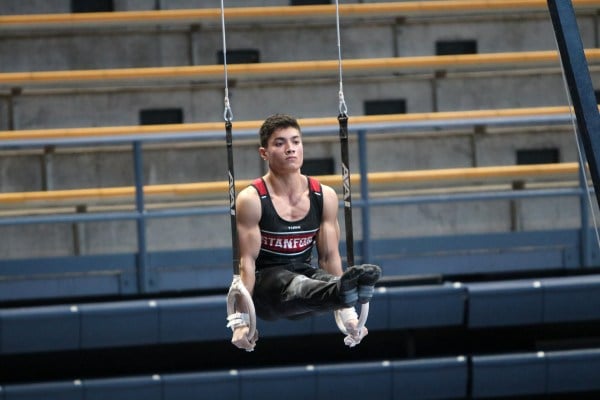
x,y
207,232
190,162
490,91
113,108
20,172
94,50
524,32
51,240
111,168
253,101
119,47
4,113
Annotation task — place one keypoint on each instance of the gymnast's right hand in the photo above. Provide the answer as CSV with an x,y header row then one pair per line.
x,y
241,340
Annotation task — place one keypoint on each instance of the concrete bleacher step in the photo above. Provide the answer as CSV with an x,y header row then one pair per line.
x,y
289,69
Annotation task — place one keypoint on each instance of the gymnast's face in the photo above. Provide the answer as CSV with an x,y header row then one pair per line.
x,y
284,150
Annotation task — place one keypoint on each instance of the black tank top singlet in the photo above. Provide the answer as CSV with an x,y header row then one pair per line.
x,y
287,242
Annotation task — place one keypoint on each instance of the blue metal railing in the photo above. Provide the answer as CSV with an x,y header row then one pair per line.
x,y
141,215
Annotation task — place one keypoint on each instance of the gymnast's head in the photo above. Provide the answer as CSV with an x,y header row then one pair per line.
x,y
274,123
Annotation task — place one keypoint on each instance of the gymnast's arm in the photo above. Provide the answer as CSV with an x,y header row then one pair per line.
x,y
329,254
248,213
329,234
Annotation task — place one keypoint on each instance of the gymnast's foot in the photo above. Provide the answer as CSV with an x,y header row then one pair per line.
x,y
348,286
366,282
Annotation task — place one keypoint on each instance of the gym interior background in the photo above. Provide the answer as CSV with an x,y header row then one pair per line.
x,y
466,189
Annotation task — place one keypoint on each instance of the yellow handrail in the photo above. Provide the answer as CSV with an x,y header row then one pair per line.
x,y
291,68
382,178
278,13
115,131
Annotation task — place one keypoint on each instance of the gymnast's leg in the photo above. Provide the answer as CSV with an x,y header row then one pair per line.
x,y
282,293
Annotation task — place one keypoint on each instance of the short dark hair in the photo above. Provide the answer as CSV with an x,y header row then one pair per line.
x,y
273,123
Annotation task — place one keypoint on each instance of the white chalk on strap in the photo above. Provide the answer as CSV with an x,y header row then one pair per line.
x,y
238,319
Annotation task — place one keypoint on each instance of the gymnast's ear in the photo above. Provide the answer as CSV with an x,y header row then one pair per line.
x,y
263,153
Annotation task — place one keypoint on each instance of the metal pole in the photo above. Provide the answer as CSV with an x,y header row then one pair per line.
x,y
579,83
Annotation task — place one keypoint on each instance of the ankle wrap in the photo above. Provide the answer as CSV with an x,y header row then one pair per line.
x,y
365,293
349,297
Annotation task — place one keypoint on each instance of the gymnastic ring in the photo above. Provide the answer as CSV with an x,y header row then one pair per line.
x,y
362,319
237,288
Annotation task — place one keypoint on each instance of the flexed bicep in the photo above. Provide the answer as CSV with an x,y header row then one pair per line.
x,y
249,238
329,234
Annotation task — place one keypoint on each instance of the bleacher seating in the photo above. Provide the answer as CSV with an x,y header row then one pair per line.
x,y
534,374
195,269
503,283
387,380
493,376
152,322
162,321
534,301
572,371
281,70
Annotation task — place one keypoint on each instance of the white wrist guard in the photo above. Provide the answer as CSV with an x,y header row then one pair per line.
x,y
346,314
237,320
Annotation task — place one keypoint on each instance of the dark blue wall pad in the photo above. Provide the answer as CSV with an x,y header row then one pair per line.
x,y
193,319
505,303
571,298
380,380
573,371
492,376
509,375
210,269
